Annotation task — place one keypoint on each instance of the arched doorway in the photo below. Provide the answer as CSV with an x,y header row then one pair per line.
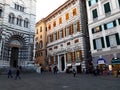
x,y
15,45
14,57
62,63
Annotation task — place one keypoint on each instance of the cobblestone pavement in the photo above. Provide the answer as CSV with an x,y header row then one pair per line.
x,y
60,81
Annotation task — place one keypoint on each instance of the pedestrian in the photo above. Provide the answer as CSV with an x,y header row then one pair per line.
x,y
74,72
55,69
17,74
10,73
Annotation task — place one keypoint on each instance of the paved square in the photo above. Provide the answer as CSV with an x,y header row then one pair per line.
x,y
61,81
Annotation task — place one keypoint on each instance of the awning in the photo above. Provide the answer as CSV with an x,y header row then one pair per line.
x,y
115,61
68,64
101,61
77,64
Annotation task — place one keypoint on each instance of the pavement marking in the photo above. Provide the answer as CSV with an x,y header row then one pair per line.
x,y
65,86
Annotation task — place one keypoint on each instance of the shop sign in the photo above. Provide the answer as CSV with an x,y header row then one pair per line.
x,y
115,61
101,61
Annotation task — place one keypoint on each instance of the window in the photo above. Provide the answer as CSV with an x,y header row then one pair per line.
x,y
37,31
110,25
51,38
67,16
74,11
78,55
69,57
19,21
67,31
113,40
107,8
55,36
36,45
119,21
40,29
41,44
40,36
75,27
11,18
94,13
56,47
26,22
61,34
49,27
18,7
97,29
98,43
0,12
119,2
60,20
48,39
92,2
68,43
54,24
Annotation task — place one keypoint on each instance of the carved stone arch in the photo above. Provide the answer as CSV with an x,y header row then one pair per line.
x,y
18,37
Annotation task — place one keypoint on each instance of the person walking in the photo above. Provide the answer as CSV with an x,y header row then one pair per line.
x,y
17,74
74,72
10,73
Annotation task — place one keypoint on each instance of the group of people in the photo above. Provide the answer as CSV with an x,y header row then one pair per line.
x,y
17,73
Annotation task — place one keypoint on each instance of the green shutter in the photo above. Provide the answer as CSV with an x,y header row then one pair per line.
x,y
102,40
105,26
119,2
119,21
107,7
114,23
107,41
89,2
94,12
117,38
94,44
100,27
92,30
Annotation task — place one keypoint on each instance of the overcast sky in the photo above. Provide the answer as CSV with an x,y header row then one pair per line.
x,y
45,7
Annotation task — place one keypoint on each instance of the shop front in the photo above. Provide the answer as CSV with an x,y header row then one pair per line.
x,y
116,66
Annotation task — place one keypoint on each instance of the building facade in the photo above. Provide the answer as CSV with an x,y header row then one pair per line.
x,y
104,25
67,36
40,42
17,25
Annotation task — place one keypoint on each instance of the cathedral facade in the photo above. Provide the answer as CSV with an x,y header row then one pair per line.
x,y
17,25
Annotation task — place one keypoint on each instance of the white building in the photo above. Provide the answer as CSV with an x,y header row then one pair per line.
x,y
17,25
67,45
104,30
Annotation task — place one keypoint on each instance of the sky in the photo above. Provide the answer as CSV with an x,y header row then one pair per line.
x,y
45,7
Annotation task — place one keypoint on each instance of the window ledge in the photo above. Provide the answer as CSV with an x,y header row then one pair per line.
x,y
113,47
99,50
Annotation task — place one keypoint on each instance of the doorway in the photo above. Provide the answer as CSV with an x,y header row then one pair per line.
x,y
14,57
62,63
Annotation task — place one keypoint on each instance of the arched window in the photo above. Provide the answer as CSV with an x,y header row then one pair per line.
x,y
41,44
26,23
0,12
11,18
19,21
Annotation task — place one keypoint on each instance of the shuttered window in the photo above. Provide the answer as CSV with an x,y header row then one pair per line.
x,y
107,8
98,43
119,2
117,38
119,21
94,13
110,25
